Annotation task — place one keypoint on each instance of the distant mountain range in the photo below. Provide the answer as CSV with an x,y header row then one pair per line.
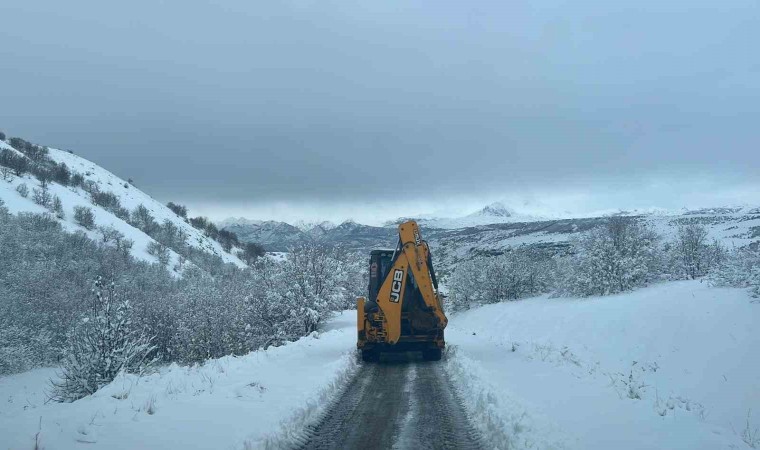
x,y
494,229
280,236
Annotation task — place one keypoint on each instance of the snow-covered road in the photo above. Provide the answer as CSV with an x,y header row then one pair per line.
x,y
400,403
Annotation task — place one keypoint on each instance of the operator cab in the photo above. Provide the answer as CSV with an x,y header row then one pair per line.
x,y
380,262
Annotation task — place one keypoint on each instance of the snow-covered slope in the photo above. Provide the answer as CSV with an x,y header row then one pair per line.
x,y
732,227
129,197
239,403
670,366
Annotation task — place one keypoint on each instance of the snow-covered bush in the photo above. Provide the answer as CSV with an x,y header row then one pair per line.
x,y
42,197
178,209
160,251
106,200
322,277
124,245
46,273
619,256
33,151
516,274
215,309
22,190
57,207
23,348
18,164
110,234
141,218
741,268
465,285
238,311
62,174
103,344
227,239
251,252
84,217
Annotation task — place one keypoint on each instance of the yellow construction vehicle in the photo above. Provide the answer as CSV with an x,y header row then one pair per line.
x,y
404,311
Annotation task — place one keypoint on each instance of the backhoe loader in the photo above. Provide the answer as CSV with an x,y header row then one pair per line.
x,y
403,311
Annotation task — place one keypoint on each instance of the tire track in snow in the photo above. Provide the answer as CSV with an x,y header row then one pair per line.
x,y
400,404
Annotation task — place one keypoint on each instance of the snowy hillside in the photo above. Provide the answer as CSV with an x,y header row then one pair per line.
x,y
129,197
732,227
670,366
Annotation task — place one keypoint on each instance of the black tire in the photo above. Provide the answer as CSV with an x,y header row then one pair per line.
x,y
370,355
431,354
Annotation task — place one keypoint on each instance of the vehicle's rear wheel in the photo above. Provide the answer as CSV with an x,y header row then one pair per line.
x,y
431,354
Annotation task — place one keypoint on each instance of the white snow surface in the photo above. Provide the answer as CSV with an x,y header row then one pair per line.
x,y
690,352
129,197
258,400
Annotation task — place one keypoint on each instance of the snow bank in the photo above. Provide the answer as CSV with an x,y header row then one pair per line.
x,y
226,403
671,366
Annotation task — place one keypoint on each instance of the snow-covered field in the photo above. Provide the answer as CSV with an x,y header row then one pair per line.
x,y
673,366
231,402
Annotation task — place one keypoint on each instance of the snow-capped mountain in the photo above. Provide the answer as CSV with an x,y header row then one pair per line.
x,y
497,212
494,210
129,197
495,228
273,235
280,236
315,229
238,221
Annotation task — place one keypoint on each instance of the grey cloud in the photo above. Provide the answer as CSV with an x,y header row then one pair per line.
x,y
264,102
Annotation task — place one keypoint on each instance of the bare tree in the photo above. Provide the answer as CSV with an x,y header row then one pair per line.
x,y
691,248
41,196
58,207
6,173
110,234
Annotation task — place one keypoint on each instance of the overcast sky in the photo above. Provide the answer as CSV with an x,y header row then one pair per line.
x,y
333,109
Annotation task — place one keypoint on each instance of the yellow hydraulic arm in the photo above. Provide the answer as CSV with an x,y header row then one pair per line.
x,y
412,256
